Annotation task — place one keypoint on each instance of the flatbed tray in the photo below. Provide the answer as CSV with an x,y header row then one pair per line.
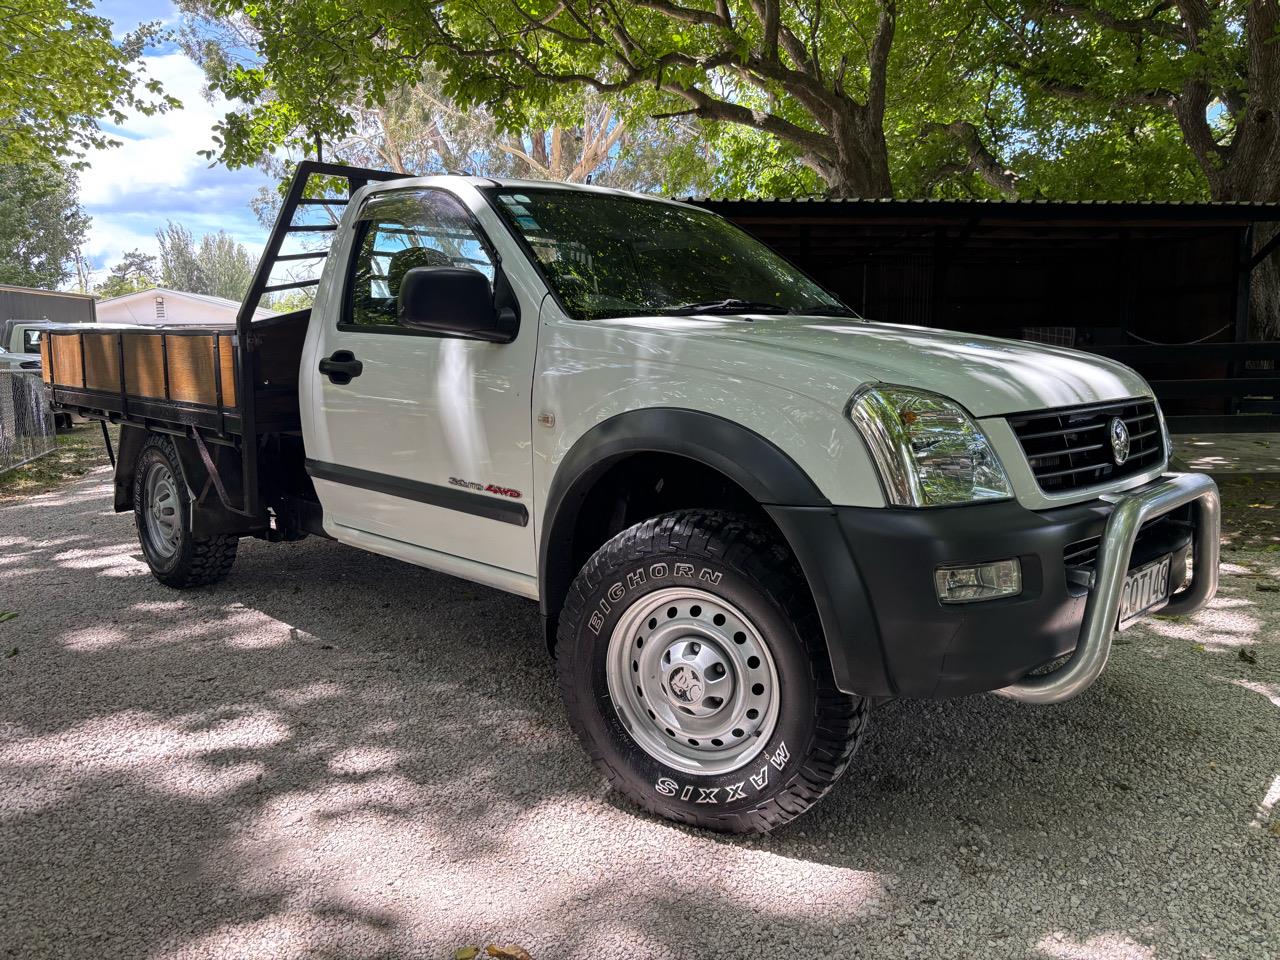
x,y
180,374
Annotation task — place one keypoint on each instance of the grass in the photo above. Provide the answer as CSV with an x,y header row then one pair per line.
x,y
79,451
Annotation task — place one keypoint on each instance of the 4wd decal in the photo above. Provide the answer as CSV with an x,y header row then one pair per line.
x,y
486,488
734,791
642,575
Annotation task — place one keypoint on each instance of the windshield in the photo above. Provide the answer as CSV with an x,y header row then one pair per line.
x,y
612,256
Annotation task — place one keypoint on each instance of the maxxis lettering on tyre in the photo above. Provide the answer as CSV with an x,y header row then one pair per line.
x,y
817,728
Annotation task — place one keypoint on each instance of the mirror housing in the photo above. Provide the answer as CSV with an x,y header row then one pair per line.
x,y
454,301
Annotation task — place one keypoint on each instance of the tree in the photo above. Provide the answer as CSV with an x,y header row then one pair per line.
x,y
833,83
62,75
180,267
227,266
418,128
41,225
1196,83
1208,71
217,265
135,271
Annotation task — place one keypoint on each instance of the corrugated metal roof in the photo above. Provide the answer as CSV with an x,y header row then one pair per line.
x,y
986,202
1111,210
35,291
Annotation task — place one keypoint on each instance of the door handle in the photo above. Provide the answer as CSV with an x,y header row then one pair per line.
x,y
342,367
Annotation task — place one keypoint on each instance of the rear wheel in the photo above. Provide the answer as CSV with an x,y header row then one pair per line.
x,y
696,675
162,514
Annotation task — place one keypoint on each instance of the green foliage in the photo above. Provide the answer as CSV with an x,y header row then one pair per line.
x,y
1127,159
817,83
135,271
226,265
179,261
291,300
217,265
1096,99
63,75
1123,98
41,225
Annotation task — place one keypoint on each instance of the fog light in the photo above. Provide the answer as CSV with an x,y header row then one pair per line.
x,y
982,581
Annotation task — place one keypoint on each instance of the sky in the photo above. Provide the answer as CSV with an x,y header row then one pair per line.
x,y
156,175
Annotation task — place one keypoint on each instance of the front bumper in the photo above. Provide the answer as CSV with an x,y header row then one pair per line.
x,y
871,572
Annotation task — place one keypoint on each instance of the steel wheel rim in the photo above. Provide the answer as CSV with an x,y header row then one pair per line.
x,y
160,493
665,671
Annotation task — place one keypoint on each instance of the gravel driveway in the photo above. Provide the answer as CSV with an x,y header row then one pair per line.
x,y
334,754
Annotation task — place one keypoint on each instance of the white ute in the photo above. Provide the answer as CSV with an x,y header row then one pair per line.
x,y
747,513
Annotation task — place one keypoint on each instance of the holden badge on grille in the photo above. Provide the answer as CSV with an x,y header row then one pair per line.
x,y
1119,441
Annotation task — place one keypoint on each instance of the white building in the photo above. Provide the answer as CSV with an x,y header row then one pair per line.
x,y
161,305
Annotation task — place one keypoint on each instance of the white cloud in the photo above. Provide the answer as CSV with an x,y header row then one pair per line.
x,y
161,149
156,174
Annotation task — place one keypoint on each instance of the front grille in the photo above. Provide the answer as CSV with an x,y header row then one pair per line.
x,y
1167,535
1084,553
1070,448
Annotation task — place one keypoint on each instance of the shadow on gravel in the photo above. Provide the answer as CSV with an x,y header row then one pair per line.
x,y
334,753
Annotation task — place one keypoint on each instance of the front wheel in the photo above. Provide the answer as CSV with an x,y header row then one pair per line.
x,y
695,673
162,514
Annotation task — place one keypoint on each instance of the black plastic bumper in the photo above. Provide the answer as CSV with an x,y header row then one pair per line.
x,y
872,575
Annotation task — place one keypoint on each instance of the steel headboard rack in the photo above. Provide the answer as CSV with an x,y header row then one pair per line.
x,y
246,339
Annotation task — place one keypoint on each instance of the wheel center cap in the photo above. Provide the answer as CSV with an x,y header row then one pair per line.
x,y
685,684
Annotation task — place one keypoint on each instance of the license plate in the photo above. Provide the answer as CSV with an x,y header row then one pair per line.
x,y
1145,589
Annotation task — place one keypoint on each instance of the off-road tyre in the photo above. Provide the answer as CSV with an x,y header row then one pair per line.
x,y
742,563
193,561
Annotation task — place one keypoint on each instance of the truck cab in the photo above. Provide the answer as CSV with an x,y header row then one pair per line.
x,y
747,513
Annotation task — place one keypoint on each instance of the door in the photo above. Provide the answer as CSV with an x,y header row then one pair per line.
x,y
417,439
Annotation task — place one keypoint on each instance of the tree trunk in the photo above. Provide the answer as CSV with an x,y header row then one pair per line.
x,y
1264,281
860,167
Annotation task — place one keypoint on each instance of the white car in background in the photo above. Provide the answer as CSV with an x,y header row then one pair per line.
x,y
31,363
19,361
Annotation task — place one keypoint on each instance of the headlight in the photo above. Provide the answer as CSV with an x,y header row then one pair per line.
x,y
929,451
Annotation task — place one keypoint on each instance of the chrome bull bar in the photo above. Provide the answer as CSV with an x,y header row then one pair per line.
x,y
1132,510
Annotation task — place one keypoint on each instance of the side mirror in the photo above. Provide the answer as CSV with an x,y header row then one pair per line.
x,y
457,301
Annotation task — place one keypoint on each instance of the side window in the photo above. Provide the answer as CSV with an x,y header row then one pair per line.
x,y
398,231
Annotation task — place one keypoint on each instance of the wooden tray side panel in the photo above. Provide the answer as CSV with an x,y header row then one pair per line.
x,y
191,369
144,365
67,368
227,358
46,365
101,362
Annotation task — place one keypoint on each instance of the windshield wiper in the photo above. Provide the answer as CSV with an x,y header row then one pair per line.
x,y
827,310
730,305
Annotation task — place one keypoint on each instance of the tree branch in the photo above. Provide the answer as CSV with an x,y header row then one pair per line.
x,y
1165,99
981,160
1149,25
688,14
878,59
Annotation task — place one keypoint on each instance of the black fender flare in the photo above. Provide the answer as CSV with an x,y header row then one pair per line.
x,y
805,517
128,446
208,517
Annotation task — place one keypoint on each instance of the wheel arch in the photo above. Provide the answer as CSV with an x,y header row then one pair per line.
x,y
753,464
208,516
769,484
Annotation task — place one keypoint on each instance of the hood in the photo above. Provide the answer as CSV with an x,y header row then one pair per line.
x,y
988,376
10,359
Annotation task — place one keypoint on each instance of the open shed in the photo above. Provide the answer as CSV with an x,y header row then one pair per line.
x,y
1163,287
